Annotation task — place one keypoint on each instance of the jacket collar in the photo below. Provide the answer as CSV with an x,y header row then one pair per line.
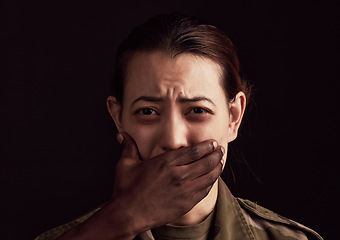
x,y
229,220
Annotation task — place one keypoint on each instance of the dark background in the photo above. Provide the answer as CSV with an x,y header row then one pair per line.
x,y
58,142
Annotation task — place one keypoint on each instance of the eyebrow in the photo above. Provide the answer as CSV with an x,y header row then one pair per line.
x,y
181,99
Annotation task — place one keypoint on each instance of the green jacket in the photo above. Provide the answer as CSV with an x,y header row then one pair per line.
x,y
236,219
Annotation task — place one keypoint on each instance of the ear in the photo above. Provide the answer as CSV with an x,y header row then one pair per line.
x,y
114,108
236,111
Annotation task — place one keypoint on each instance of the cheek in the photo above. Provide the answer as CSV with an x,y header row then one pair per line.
x,y
221,134
216,129
199,134
144,137
140,135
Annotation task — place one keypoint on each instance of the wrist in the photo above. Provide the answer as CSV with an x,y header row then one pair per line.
x,y
126,216
115,220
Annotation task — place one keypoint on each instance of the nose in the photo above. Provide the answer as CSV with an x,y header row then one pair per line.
x,y
174,133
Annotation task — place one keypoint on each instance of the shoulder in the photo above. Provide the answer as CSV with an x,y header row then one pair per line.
x,y
267,224
56,232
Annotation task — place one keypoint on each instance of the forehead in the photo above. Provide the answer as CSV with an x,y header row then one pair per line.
x,y
150,73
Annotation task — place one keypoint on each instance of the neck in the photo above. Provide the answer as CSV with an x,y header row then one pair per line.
x,y
201,210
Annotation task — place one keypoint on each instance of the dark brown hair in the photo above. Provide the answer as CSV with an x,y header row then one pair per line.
x,y
174,34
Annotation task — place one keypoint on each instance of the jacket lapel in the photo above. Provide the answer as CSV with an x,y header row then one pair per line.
x,y
229,220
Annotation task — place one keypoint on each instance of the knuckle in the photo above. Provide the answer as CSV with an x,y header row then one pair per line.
x,y
210,164
211,146
177,179
194,152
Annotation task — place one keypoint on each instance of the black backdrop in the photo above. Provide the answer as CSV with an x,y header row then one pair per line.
x,y
57,140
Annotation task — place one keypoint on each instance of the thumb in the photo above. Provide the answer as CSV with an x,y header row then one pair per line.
x,y
129,147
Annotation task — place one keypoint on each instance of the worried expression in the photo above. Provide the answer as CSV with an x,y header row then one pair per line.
x,y
169,103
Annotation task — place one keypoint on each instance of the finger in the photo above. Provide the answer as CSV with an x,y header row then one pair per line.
x,y
189,154
129,147
202,166
202,183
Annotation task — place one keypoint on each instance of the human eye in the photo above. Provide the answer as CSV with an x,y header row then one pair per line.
x,y
145,111
198,114
199,110
146,115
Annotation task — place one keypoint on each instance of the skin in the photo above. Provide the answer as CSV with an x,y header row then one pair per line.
x,y
185,77
175,125
173,122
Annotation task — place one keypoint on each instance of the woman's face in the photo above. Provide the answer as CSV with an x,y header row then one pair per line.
x,y
173,103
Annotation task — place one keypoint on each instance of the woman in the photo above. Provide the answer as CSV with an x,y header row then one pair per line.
x,y
178,100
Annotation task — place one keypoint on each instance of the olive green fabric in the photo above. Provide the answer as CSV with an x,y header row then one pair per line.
x,y
243,219
54,233
235,219
196,232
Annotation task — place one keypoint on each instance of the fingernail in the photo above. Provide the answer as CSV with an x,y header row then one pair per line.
x,y
223,150
120,138
215,144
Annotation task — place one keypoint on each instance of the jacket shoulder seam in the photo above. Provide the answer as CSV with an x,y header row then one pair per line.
x,y
265,214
